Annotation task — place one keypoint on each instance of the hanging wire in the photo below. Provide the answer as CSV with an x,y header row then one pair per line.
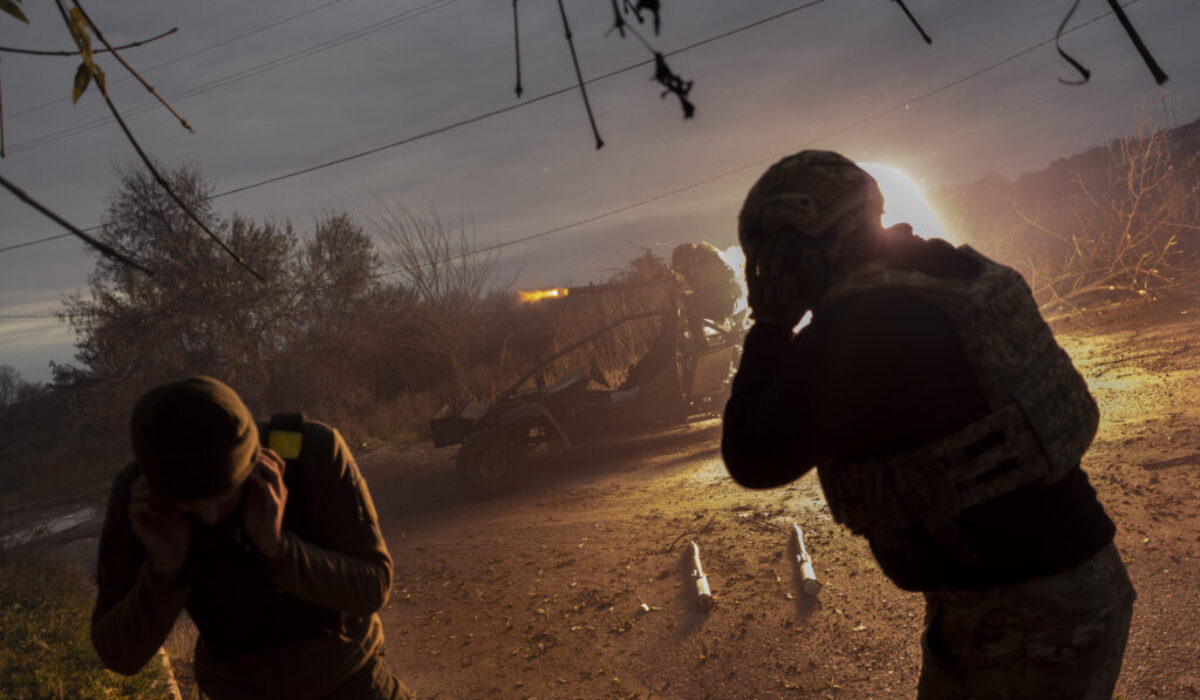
x,y
914,21
579,76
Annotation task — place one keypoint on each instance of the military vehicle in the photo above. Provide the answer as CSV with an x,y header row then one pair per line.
x,y
680,379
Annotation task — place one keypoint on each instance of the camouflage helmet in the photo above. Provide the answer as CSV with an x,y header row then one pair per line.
x,y
820,195
687,256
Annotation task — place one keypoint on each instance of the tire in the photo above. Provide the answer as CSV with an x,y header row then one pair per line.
x,y
489,462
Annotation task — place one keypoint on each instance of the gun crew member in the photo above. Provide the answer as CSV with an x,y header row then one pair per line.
x,y
946,426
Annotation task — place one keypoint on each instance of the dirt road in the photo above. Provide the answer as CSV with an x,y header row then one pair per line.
x,y
577,586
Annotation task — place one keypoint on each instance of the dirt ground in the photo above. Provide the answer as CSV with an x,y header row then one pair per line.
x,y
577,585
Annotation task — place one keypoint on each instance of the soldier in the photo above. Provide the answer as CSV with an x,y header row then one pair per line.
x,y
266,535
946,426
712,289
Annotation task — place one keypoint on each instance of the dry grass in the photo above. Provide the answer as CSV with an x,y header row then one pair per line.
x,y
44,647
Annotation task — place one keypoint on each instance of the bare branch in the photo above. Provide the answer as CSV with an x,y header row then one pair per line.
x,y
447,279
104,248
131,45
3,147
158,177
134,73
579,76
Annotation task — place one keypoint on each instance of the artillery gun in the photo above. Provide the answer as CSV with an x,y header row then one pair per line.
x,y
680,379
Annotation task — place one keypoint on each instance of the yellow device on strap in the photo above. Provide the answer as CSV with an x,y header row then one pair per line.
x,y
285,443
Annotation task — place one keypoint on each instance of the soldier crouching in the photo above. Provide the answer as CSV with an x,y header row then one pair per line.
x,y
267,536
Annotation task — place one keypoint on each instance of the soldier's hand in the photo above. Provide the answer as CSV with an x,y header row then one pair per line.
x,y
779,275
164,530
263,505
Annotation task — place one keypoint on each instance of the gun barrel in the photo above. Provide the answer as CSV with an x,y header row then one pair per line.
x,y
620,286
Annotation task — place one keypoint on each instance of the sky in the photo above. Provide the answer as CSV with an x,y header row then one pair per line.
x,y
331,79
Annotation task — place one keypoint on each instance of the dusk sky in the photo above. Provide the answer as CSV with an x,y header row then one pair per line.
x,y
351,75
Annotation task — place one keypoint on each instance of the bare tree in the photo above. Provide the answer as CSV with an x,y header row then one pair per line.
x,y
1127,227
10,385
449,276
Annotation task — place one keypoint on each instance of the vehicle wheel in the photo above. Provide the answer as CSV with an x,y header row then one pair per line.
x,y
489,462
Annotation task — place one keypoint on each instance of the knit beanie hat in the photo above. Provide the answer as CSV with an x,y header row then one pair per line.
x,y
193,439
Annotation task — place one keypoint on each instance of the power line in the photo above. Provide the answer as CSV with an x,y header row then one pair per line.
x,y
563,90
779,154
198,52
241,75
513,107
36,241
471,120
104,248
663,195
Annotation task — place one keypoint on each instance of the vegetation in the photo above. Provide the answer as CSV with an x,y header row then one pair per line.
x,y
44,647
374,340
1120,221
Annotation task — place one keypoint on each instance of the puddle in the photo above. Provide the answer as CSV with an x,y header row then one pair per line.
x,y
48,527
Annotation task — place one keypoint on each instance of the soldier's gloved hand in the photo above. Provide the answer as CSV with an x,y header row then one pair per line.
x,y
164,530
263,505
780,275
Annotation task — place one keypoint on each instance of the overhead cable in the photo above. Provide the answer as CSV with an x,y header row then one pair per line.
x,y
197,52
240,75
503,110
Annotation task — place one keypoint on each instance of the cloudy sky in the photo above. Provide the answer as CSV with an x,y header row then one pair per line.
x,y
315,81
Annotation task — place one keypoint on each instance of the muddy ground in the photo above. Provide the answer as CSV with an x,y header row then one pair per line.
x,y
577,586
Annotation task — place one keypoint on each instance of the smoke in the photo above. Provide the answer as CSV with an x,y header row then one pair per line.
x,y
736,259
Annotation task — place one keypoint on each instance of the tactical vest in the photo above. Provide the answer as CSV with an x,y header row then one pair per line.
x,y
236,606
1041,420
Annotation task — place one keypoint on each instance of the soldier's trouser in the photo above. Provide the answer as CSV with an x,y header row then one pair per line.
x,y
1060,636
373,682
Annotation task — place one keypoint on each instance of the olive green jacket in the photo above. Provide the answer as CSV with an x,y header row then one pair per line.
x,y
295,628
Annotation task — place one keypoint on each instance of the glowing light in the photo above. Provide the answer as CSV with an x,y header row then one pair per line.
x,y
904,202
529,297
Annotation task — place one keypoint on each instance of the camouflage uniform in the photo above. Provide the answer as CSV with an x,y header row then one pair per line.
x,y
1059,636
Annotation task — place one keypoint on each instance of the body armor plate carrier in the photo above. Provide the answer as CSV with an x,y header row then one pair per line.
x,y
1041,420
